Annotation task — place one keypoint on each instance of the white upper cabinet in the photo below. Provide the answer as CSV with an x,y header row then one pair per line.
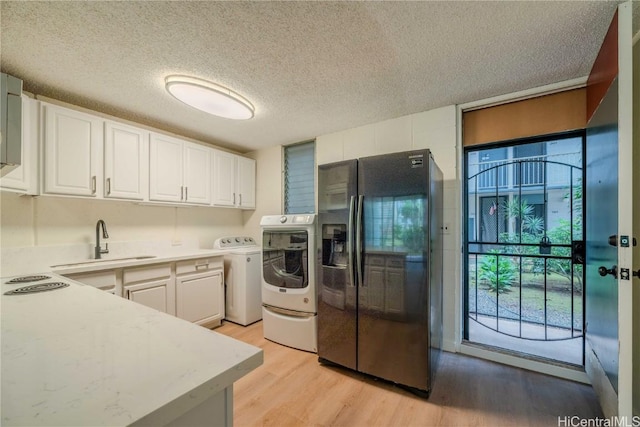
x,y
246,182
72,152
234,181
91,156
224,167
165,169
179,171
197,174
24,178
125,165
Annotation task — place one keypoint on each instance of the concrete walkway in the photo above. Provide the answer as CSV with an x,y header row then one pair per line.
x,y
567,351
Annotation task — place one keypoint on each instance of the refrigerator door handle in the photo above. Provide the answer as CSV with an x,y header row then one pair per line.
x,y
359,241
351,264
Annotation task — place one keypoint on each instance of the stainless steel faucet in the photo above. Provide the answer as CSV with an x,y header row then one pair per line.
x,y
98,250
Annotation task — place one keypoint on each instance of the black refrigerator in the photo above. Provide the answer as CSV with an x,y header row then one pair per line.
x,y
379,272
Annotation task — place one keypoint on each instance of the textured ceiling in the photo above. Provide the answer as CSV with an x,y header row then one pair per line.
x,y
310,68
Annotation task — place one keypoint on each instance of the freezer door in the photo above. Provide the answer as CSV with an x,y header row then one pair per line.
x,y
335,273
393,297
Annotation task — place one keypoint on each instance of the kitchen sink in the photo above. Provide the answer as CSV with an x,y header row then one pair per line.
x,y
99,261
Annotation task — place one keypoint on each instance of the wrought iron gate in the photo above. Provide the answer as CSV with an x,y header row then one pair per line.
x,y
524,248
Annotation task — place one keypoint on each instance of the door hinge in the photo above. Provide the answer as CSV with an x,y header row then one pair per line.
x,y
624,274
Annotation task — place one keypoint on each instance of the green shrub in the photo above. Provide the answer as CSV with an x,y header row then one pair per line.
x,y
497,272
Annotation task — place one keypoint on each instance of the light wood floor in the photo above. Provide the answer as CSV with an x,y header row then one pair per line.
x,y
292,389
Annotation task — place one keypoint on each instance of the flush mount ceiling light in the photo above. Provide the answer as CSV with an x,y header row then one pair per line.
x,y
209,97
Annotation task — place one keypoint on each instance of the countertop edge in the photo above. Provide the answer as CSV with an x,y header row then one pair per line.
x,y
188,401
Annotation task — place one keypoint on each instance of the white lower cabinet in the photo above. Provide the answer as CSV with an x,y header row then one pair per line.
x,y
200,291
105,280
151,294
191,289
151,285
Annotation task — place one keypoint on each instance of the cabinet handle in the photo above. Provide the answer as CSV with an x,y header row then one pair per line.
x,y
240,204
108,186
181,193
93,184
186,193
198,266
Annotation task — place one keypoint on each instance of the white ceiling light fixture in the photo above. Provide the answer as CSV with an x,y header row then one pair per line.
x,y
209,97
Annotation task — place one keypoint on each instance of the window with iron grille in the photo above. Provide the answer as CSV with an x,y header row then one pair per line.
x,y
299,178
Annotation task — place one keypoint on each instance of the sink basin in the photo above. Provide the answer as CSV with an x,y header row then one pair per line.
x,y
99,261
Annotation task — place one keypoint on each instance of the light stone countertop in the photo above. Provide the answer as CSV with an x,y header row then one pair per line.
x,y
80,356
78,258
133,260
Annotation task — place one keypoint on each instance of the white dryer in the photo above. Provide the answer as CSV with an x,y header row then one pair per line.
x,y
242,273
289,307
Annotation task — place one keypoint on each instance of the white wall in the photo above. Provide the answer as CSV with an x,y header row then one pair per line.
x,y
435,130
44,220
268,189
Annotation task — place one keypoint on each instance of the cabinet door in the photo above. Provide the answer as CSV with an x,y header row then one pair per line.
x,y
394,291
375,288
246,183
224,173
165,169
197,174
24,178
152,294
199,298
124,165
72,152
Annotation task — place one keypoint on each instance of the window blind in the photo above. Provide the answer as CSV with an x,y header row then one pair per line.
x,y
299,178
543,115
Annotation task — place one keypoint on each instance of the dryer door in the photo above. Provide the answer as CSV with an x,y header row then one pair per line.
x,y
285,258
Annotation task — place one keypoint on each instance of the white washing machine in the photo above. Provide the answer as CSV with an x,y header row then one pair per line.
x,y
242,274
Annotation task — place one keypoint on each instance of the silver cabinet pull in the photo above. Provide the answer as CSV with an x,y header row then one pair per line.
x,y
234,198
186,193
181,193
108,185
93,184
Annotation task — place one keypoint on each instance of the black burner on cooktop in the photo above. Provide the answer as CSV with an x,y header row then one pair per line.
x,y
40,287
27,279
